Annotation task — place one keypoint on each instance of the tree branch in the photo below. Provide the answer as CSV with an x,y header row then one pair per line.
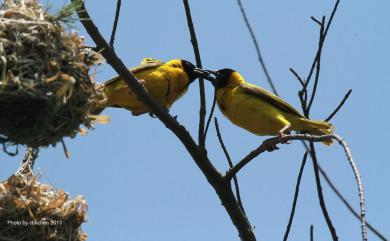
x,y
295,196
211,113
202,110
207,168
225,151
311,233
348,205
320,194
270,145
222,188
360,186
117,12
339,106
259,55
324,37
318,65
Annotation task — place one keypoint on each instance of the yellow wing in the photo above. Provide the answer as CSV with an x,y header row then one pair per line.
x,y
150,60
270,98
136,70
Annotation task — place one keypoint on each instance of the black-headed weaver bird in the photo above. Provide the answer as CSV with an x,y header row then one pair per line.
x,y
165,81
258,110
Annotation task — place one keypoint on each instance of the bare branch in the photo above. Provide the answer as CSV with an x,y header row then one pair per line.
x,y
211,113
331,17
318,65
325,34
316,20
311,233
117,12
225,151
347,204
297,77
339,106
306,109
202,110
360,186
270,145
207,168
254,39
295,196
222,188
320,194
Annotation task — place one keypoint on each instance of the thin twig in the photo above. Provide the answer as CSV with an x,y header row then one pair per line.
x,y
295,197
347,204
225,151
316,20
306,109
331,17
339,106
303,95
117,12
360,186
202,110
270,145
211,113
311,233
320,194
318,65
66,152
297,76
325,34
259,55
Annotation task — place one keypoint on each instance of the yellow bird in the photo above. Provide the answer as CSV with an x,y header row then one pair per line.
x,y
259,111
166,82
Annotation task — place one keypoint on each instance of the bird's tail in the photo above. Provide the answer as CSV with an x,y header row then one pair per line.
x,y
319,127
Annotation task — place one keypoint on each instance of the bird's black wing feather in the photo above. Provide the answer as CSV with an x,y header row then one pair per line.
x,y
272,99
136,70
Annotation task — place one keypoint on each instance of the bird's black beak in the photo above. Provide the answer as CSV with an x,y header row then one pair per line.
x,y
200,72
211,76
205,74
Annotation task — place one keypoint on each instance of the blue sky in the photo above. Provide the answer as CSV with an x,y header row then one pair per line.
x,y
142,185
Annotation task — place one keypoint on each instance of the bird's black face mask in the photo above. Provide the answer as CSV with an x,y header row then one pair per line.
x,y
222,78
189,69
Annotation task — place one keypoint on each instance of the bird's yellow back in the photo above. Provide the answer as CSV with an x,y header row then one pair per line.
x,y
166,82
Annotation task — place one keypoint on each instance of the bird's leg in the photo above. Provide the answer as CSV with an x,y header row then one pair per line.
x,y
281,134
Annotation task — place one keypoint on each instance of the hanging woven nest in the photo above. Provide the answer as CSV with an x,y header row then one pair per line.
x,y
45,89
31,211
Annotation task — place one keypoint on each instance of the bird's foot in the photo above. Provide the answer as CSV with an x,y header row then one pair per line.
x,y
281,136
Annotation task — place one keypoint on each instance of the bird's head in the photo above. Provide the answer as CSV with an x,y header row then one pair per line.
x,y
193,72
225,77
